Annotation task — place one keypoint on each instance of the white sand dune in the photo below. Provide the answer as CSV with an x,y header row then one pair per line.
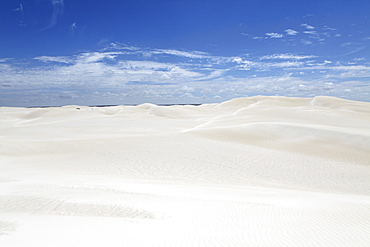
x,y
259,171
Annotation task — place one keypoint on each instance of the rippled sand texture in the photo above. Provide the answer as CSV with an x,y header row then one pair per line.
x,y
259,171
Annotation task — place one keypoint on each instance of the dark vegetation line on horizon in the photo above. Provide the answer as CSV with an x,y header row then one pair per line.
x,y
113,105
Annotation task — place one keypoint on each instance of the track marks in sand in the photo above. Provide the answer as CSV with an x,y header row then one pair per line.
x,y
7,227
44,205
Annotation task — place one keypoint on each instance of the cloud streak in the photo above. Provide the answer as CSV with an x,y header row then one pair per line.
x,y
60,59
291,32
20,8
287,56
58,8
307,26
310,35
275,35
72,28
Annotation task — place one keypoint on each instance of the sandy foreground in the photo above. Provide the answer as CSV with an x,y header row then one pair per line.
x,y
259,171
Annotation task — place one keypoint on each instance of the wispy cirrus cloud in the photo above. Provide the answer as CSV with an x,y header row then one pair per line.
x,y
148,52
20,8
2,60
306,42
291,32
329,28
287,56
59,59
73,28
144,65
285,64
58,9
354,47
91,57
307,26
310,32
193,54
275,35
310,35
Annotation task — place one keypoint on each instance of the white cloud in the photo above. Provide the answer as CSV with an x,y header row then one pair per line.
x,y
305,25
237,60
254,37
245,64
91,57
337,68
306,42
275,35
310,32
3,60
119,46
181,73
329,28
357,68
59,59
146,52
291,32
350,72
185,89
287,64
259,38
286,56
187,95
144,65
192,54
214,74
162,77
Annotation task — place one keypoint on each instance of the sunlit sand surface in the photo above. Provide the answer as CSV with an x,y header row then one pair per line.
x,y
259,171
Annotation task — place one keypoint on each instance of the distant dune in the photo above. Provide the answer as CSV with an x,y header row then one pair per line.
x,y
258,171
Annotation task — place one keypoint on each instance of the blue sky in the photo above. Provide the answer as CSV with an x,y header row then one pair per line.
x,y
59,52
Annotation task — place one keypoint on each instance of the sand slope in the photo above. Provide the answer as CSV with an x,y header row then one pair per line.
x,y
259,171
